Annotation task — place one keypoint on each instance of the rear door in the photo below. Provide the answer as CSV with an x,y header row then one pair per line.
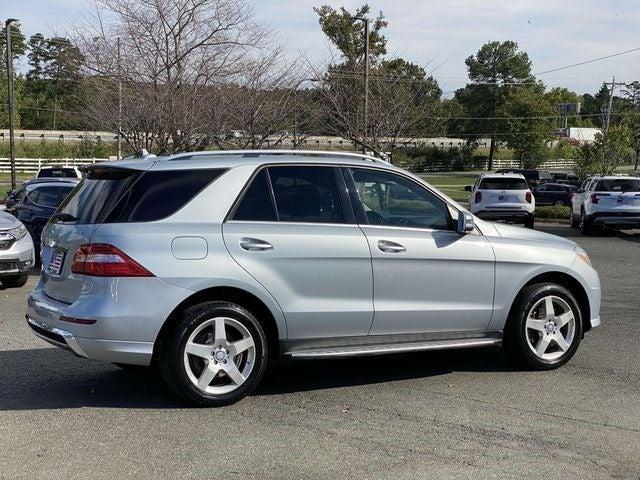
x,y
294,231
427,277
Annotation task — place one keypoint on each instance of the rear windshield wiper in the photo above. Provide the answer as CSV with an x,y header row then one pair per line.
x,y
63,217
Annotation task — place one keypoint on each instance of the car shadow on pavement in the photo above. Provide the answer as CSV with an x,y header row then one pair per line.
x,y
50,378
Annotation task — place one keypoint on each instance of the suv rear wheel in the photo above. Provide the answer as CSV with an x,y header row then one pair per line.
x,y
215,355
545,327
585,224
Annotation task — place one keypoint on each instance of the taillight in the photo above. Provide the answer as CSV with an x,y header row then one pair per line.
x,y
595,198
103,260
528,197
478,197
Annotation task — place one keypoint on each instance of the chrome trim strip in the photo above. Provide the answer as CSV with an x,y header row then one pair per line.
x,y
389,349
71,342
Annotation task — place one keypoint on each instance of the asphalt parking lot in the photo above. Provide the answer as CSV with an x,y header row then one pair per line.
x,y
431,415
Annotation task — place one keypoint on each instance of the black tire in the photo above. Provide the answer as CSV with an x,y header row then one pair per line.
x,y
574,221
530,222
515,334
171,353
585,224
15,281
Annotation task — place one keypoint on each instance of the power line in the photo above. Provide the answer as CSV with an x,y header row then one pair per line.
x,y
587,61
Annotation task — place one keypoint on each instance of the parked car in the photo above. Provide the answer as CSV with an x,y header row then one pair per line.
x,y
55,171
212,265
607,201
37,200
16,252
533,177
502,196
554,194
566,178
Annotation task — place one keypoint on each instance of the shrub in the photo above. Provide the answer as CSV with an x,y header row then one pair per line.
x,y
553,212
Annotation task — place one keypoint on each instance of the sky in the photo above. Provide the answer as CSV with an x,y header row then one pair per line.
x,y
439,34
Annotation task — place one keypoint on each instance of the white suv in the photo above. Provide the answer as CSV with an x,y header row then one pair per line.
x,y
607,201
502,196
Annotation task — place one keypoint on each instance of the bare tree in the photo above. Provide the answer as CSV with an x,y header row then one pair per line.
x,y
176,59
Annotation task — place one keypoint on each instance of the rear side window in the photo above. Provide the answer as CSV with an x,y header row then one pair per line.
x,y
503,184
49,196
618,185
306,194
110,195
256,204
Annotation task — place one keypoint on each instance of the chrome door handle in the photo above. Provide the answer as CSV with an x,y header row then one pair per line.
x,y
390,247
255,245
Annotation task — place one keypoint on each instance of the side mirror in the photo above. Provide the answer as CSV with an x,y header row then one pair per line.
x,y
467,188
466,223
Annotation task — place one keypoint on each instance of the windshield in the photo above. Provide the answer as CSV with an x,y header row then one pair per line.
x,y
618,185
504,184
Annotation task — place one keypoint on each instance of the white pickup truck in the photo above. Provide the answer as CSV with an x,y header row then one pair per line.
x,y
606,201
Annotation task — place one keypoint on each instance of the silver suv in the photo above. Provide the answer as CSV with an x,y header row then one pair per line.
x,y
212,265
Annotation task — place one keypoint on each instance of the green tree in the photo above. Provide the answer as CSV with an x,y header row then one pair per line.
x,y
610,150
493,70
564,95
17,50
528,127
632,118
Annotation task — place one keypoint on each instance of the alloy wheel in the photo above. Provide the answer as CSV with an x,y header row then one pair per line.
x,y
550,328
219,355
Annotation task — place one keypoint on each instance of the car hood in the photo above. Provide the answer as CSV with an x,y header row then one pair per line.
x,y
8,221
521,233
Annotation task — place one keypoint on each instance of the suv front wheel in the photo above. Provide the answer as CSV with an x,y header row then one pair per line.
x,y
544,328
215,355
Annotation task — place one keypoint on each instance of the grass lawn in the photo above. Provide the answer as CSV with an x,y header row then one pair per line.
x,y
452,184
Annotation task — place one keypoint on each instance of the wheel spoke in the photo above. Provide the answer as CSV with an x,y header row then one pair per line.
x,y
561,341
207,375
234,374
563,319
220,333
548,306
542,345
199,350
240,346
535,324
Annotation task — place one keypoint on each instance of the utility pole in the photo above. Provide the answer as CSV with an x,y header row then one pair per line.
x,y
610,105
365,121
119,101
10,99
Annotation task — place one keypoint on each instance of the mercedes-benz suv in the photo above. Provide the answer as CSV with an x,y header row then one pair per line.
x,y
212,265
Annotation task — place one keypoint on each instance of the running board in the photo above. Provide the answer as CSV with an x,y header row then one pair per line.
x,y
385,349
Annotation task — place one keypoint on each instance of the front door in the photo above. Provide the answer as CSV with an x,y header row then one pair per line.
x,y
294,231
427,277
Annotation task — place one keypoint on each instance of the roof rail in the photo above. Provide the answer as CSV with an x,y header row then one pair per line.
x,y
258,153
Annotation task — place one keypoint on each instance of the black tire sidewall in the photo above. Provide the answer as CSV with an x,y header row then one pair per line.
x,y
15,281
172,364
515,333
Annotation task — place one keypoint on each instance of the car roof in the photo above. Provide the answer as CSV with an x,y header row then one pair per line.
x,y
70,167
234,158
503,175
52,181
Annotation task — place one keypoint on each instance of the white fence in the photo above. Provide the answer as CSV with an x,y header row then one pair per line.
x,y
32,165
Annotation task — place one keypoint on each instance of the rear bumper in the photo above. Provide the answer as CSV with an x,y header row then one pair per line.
x,y
504,214
616,219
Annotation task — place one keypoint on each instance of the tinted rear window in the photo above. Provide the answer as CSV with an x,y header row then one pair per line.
x,y
504,184
618,185
57,173
112,195
50,196
256,204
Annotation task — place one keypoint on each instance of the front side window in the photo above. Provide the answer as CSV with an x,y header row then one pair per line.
x,y
390,199
306,194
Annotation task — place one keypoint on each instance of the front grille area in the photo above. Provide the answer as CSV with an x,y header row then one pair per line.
x,y
8,266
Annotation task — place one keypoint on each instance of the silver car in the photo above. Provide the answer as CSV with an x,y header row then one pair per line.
x,y
16,252
212,265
